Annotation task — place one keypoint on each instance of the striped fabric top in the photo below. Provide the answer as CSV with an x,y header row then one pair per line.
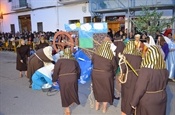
x,y
131,49
104,50
153,59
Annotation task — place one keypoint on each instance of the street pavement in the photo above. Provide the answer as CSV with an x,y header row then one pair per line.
x,y
16,98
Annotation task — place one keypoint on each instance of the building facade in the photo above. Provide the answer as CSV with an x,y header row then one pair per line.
x,y
50,15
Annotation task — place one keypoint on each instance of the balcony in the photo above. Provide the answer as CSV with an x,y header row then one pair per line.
x,y
66,2
108,6
21,5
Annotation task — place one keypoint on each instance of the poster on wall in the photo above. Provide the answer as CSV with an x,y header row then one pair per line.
x,y
86,32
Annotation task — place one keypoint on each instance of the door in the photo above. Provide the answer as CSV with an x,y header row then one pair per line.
x,y
24,23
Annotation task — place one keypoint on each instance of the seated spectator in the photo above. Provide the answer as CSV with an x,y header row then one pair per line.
x,y
42,43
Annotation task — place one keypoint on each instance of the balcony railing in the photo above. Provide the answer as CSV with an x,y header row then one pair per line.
x,y
65,2
17,5
123,5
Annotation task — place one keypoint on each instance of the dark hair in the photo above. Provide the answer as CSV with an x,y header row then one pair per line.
x,y
162,40
147,39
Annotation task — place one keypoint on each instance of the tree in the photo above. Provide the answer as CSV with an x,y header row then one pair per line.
x,y
150,21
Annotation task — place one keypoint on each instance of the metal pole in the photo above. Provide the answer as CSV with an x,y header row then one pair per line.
x,y
128,16
173,22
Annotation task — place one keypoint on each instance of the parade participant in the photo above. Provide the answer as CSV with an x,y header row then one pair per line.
x,y
104,68
67,72
23,53
37,60
149,42
42,76
170,58
163,45
139,45
133,56
150,90
120,47
42,43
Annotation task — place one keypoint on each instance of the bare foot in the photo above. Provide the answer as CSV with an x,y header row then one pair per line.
x,y
97,106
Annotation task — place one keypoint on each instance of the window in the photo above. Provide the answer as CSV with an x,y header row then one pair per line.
x,y
22,3
10,0
12,27
95,19
74,21
40,26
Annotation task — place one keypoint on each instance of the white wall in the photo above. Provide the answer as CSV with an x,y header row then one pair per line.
x,y
72,12
42,3
55,17
47,16
10,19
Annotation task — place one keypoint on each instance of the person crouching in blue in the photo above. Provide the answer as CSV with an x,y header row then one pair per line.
x,y
42,76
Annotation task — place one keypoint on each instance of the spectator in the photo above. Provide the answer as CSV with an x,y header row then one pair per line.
x,y
167,31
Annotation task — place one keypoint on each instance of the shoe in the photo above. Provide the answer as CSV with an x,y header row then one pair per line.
x,y
30,86
117,98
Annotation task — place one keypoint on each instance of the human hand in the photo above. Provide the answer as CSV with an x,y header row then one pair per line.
x,y
21,61
133,107
54,83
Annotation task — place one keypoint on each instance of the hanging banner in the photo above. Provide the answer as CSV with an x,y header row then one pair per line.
x,y
86,32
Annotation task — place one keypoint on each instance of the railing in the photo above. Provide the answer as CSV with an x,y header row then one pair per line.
x,y
21,5
64,2
98,5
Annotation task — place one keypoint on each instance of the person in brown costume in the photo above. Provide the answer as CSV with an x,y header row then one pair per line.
x,y
23,53
39,59
120,47
104,68
67,72
133,56
150,96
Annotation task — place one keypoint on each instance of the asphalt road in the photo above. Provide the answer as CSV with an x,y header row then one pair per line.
x,y
16,98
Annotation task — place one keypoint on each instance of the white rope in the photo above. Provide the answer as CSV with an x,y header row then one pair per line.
x,y
121,61
91,98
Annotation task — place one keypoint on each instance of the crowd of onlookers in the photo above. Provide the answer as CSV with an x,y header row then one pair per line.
x,y
124,34
9,41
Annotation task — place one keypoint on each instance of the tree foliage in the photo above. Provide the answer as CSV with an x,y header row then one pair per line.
x,y
150,21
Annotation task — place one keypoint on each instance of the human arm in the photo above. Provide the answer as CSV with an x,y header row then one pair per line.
x,y
165,50
56,72
78,70
19,55
140,87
